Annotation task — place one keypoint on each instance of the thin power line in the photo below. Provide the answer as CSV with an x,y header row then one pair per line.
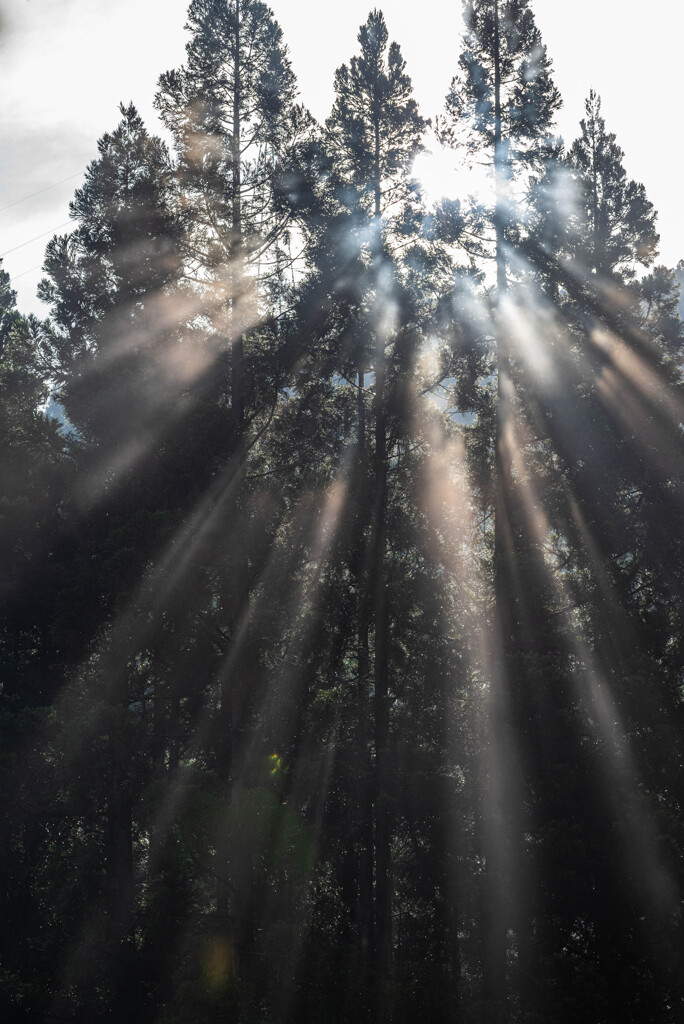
x,y
46,189
35,238
24,272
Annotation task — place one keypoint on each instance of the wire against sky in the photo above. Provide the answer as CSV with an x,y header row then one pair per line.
x,y
40,191
34,239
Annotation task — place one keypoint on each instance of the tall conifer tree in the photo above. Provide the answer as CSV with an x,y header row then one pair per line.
x,y
502,105
374,133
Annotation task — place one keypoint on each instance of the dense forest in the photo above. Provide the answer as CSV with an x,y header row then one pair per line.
x,y
342,545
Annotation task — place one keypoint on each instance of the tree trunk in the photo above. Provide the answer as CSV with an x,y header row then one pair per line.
x,y
383,891
496,823
232,684
364,912
378,588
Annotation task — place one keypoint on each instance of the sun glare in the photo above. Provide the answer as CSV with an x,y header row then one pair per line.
x,y
444,174
341,648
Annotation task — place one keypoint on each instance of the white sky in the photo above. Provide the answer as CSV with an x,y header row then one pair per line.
x,y
66,64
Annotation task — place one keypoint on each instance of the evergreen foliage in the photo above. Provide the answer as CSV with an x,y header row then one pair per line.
x,y
341,612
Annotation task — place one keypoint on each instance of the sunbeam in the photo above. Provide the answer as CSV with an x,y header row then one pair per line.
x,y
341,612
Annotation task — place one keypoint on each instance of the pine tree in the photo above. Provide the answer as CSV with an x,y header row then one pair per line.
x,y
381,277
242,143
126,377
106,286
501,105
35,475
374,132
373,135
245,616
241,140
614,431
617,223
587,470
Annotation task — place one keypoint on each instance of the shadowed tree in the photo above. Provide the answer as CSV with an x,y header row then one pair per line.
x,y
613,428
126,383
386,275
617,223
247,623
373,135
36,474
241,141
501,106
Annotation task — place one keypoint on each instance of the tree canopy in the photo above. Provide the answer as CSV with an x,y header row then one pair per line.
x,y
341,613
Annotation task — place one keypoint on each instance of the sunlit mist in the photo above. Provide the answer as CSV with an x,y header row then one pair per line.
x,y
341,607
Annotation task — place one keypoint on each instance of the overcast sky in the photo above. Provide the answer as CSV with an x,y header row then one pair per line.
x,y
66,64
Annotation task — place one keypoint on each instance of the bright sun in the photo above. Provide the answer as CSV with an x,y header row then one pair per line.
x,y
442,174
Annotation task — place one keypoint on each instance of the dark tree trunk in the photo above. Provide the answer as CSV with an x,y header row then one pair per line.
x,y
496,839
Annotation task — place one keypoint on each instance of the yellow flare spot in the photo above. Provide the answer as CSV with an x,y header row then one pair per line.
x,y
219,962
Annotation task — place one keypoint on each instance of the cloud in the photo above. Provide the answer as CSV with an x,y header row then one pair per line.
x,y
34,157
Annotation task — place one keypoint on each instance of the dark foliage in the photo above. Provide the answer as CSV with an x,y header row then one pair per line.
x,y
341,606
